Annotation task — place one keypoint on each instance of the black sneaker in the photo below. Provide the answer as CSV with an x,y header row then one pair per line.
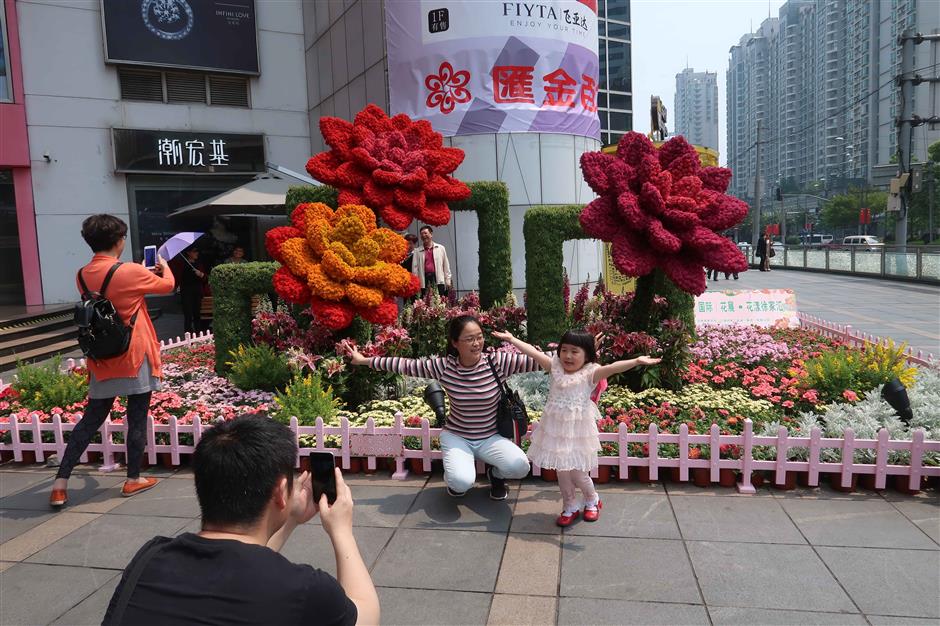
x,y
498,489
455,494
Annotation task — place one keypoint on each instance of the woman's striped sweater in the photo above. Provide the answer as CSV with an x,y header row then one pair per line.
x,y
472,391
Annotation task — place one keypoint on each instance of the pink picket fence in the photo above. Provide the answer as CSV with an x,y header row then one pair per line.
x,y
852,337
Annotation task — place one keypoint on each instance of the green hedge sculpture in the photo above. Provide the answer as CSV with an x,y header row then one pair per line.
x,y
233,285
545,229
490,200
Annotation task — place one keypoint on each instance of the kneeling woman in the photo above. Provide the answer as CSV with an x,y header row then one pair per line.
x,y
470,432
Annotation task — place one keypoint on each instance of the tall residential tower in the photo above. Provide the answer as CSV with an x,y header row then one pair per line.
x,y
696,111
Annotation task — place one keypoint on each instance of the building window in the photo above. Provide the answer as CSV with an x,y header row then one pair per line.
x,y
6,86
183,87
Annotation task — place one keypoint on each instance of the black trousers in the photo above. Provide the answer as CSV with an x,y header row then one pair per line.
x,y
192,307
96,411
430,281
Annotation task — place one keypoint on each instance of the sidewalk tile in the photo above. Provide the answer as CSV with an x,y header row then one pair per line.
x,y
584,612
5,565
433,508
888,582
457,560
81,489
384,479
757,520
38,594
311,545
530,565
91,610
722,615
45,534
883,620
536,511
823,492
654,570
110,541
688,489
508,610
537,484
12,482
15,522
873,523
926,515
426,606
928,495
169,498
766,576
382,506
646,516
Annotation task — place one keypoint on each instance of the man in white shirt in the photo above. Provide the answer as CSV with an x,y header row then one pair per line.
x,y
429,263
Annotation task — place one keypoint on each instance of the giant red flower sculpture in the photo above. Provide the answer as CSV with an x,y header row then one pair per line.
x,y
661,208
397,166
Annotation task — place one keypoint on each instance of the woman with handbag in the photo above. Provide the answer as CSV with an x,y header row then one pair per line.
x,y
474,384
566,439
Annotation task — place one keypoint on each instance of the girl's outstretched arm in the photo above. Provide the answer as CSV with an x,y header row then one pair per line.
x,y
529,350
606,371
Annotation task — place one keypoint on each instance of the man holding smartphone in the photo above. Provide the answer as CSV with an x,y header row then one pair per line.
x,y
231,571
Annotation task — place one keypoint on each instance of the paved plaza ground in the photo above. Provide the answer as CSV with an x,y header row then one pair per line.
x,y
660,554
902,311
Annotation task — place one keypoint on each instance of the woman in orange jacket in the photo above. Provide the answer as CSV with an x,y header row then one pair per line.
x,y
137,372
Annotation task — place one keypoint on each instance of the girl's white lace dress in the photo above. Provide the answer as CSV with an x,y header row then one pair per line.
x,y
566,436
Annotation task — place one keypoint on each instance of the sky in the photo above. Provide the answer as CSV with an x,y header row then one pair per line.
x,y
670,35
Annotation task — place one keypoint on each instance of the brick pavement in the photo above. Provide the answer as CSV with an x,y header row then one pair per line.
x,y
660,554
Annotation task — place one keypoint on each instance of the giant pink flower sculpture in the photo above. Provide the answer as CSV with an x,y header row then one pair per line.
x,y
661,208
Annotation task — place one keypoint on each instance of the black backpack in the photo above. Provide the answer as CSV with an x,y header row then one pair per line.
x,y
102,333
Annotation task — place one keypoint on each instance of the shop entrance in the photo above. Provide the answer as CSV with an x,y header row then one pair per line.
x,y
11,267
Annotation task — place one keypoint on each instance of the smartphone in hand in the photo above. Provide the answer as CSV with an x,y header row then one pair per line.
x,y
150,257
323,476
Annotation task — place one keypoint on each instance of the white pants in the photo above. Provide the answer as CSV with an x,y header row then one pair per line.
x,y
569,481
460,455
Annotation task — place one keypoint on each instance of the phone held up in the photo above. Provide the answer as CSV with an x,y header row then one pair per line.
x,y
323,476
150,257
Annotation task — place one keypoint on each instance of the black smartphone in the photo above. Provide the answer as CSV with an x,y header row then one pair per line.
x,y
323,476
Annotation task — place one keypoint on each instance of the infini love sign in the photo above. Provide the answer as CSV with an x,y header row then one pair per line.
x,y
761,307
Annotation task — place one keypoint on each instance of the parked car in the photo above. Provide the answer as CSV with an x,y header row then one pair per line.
x,y
817,240
862,242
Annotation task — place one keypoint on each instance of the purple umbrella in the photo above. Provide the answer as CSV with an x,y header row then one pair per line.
x,y
177,243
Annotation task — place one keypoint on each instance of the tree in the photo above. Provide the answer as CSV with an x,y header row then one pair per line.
x,y
918,212
842,211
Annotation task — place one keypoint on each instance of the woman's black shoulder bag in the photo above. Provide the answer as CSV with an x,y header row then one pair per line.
x,y
512,419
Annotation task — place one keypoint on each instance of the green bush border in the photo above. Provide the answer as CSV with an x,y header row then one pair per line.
x,y
545,229
490,200
233,286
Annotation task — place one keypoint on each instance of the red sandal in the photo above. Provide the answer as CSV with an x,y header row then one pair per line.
x,y
565,520
591,515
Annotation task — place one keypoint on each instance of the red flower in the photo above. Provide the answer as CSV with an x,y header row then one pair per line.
x,y
277,236
290,287
661,208
334,315
447,87
395,165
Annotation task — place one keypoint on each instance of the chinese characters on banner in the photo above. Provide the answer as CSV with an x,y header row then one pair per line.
x,y
763,307
495,66
178,152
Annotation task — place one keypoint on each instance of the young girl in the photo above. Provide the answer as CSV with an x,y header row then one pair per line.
x,y
566,439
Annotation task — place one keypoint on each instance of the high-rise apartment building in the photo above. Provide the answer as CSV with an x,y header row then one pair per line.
x,y
832,65
696,111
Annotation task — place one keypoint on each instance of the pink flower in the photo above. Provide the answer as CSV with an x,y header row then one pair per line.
x,y
850,395
811,396
787,403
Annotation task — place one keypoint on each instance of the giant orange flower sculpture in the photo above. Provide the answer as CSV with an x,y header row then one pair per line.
x,y
340,263
399,167
661,208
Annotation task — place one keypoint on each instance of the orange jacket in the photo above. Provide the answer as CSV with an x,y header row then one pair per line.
x,y
130,283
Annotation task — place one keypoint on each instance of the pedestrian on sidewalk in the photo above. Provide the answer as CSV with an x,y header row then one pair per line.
x,y
566,439
429,263
230,572
136,373
763,252
470,430
193,283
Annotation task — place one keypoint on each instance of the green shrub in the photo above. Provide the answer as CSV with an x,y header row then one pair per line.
x,y
545,229
309,193
258,367
45,386
233,285
306,399
490,201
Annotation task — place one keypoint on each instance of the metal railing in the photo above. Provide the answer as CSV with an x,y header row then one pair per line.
x,y
914,263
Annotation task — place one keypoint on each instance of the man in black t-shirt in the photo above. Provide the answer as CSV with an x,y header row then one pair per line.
x,y
231,572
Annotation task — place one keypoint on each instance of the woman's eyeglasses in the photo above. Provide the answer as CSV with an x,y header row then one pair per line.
x,y
472,340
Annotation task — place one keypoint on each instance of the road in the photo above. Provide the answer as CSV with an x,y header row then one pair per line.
x,y
905,312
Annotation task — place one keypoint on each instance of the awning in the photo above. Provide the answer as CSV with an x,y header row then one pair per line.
x,y
263,196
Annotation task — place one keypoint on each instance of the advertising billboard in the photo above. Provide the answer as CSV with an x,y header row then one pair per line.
x,y
495,66
195,34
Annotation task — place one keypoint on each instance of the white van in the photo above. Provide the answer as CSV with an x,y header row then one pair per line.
x,y
818,240
863,242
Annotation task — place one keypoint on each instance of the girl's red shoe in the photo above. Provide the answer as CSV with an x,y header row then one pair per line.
x,y
591,515
566,520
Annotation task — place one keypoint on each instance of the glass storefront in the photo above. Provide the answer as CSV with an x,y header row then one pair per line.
x,y
11,268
